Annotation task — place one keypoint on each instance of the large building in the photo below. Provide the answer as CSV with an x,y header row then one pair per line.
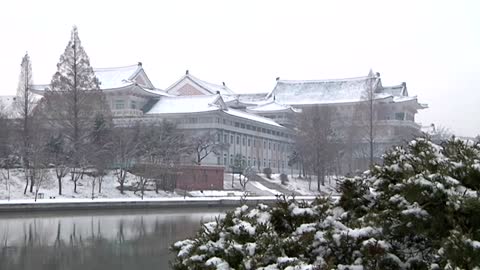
x,y
259,128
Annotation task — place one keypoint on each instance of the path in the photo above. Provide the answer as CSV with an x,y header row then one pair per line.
x,y
274,186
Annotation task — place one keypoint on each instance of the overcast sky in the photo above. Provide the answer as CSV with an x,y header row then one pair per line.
x,y
434,46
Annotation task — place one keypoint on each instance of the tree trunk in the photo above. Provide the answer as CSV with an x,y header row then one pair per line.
x,y
100,180
74,186
32,183
26,185
318,180
59,185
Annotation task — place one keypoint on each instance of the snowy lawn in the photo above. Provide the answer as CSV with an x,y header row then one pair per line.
x,y
13,188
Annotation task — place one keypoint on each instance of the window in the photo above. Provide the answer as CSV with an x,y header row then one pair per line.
x,y
231,139
244,140
242,125
218,160
248,142
237,124
238,139
224,159
133,104
231,159
119,104
400,116
264,144
219,137
225,138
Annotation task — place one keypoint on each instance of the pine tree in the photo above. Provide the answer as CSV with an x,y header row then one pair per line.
x,y
24,105
419,210
74,100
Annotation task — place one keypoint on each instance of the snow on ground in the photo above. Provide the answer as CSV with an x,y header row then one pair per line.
x,y
252,188
262,187
13,188
305,186
216,193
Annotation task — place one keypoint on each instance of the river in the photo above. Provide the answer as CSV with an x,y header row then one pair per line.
x,y
106,240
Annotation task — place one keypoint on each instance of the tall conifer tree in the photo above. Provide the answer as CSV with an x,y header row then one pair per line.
x,y
75,99
24,105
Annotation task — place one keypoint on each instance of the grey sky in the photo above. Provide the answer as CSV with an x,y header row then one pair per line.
x,y
432,45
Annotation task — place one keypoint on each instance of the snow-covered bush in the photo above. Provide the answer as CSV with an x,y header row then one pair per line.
x,y
284,179
267,172
419,210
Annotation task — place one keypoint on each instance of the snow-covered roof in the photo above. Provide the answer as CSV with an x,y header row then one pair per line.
x,y
396,90
349,90
245,100
6,104
252,117
117,77
203,86
203,103
39,87
321,91
187,104
271,106
114,78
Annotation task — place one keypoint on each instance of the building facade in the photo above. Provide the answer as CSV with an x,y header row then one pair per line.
x,y
258,128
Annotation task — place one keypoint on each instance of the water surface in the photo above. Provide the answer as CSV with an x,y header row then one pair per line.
x,y
133,239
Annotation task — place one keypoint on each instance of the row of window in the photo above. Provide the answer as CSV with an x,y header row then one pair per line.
x,y
257,129
120,104
249,141
248,161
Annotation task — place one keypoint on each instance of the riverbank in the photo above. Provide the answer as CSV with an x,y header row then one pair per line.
x,y
29,205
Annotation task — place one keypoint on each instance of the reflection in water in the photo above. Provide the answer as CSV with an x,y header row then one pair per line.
x,y
113,240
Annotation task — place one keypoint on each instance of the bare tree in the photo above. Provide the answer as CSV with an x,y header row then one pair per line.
x,y
163,145
58,157
204,144
315,140
24,105
125,150
101,144
38,171
6,151
439,133
360,134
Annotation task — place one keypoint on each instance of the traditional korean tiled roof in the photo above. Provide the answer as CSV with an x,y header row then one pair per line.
x,y
253,117
209,88
187,104
202,103
6,104
116,77
271,106
322,91
396,90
